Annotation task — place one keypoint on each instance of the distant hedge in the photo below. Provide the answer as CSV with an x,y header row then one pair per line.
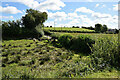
x,y
69,31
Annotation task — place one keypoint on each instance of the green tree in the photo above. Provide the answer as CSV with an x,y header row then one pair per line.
x,y
104,28
98,27
34,18
11,28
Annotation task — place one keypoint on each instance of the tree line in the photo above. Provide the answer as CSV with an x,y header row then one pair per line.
x,y
29,25
98,28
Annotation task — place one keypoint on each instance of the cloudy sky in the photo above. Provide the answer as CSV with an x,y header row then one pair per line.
x,y
64,12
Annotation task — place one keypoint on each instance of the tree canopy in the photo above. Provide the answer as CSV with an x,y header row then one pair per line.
x,y
34,18
104,28
98,27
101,28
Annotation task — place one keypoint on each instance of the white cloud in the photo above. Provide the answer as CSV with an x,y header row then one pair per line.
x,y
72,14
115,17
75,19
6,17
100,15
44,5
83,20
9,10
84,10
100,5
115,7
93,14
97,5
50,23
29,3
58,16
50,5
111,21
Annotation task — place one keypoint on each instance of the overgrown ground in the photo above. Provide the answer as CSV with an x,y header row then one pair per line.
x,y
41,59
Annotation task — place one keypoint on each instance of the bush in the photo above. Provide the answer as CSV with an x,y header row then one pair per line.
x,y
105,53
26,33
80,44
65,40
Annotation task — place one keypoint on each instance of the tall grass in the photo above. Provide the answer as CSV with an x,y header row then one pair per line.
x,y
105,53
43,60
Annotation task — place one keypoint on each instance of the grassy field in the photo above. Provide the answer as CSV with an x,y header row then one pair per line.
x,y
68,29
92,35
105,74
41,59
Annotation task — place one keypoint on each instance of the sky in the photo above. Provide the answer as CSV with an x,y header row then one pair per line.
x,y
65,12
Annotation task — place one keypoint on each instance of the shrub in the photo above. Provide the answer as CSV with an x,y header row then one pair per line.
x,y
81,43
105,53
65,40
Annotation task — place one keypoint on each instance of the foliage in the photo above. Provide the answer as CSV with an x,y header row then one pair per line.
x,y
75,27
91,28
65,40
104,28
100,28
105,53
80,44
29,59
26,27
34,18
64,29
11,28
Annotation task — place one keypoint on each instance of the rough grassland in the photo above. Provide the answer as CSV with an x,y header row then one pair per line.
x,y
40,59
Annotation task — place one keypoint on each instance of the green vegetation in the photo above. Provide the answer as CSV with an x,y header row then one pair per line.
x,y
41,59
68,29
25,28
81,43
82,53
105,74
91,35
100,28
34,18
